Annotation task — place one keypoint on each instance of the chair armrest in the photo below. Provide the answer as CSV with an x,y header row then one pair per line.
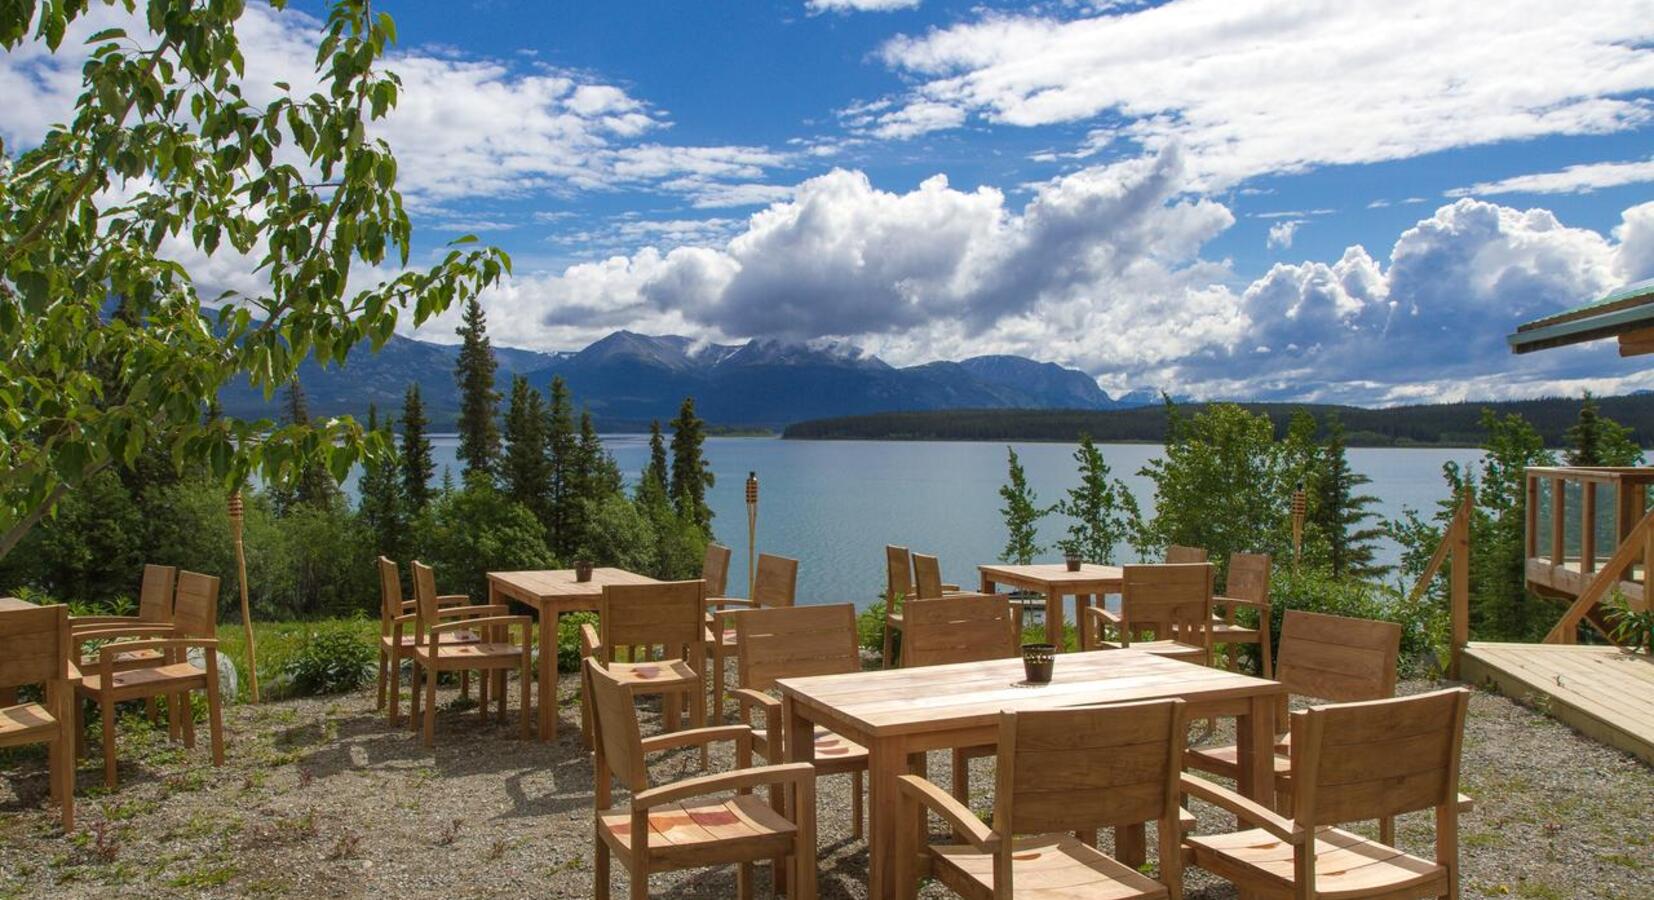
x,y
964,822
745,700
748,695
590,644
695,737
1099,612
525,621
498,609
1260,605
738,780
82,638
109,651
453,600
949,587
80,622
724,602
1281,827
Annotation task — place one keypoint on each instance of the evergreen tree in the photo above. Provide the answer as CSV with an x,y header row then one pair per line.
x,y
381,504
418,466
600,474
691,476
1022,514
656,470
562,445
479,435
1596,440
1339,514
527,463
315,486
1102,510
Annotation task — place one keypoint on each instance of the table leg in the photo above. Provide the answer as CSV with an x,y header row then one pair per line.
x,y
885,763
1053,619
1131,844
8,696
548,674
798,738
1082,602
1255,743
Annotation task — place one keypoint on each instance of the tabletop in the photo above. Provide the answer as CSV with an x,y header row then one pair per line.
x,y
1053,575
966,695
561,583
10,603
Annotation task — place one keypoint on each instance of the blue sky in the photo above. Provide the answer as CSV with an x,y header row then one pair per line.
x,y
1228,198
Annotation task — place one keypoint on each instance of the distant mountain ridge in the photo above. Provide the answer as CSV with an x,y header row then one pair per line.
x,y
627,379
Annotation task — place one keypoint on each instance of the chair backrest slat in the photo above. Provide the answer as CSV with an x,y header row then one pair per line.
x,y
958,629
155,594
669,614
390,593
795,642
1178,554
1079,769
424,582
34,645
1337,657
614,726
898,573
776,581
1378,758
1247,577
715,570
195,613
927,577
1174,601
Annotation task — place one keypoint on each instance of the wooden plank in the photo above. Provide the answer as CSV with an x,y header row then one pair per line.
x,y
1632,547
1588,527
1559,521
1521,670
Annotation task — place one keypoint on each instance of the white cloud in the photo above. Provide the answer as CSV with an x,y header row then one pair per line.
x,y
1261,86
848,6
1281,233
465,127
1578,179
1636,236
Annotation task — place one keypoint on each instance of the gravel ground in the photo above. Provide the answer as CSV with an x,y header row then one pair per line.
x,y
320,798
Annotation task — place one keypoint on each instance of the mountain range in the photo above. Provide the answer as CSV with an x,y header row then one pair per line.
x,y
627,379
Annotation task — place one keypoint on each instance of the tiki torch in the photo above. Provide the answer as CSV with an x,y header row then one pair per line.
x,y
752,532
1298,507
236,515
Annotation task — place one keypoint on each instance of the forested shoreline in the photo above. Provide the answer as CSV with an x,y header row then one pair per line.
x,y
1430,425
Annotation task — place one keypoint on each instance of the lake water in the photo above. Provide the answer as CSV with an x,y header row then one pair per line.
x,y
835,504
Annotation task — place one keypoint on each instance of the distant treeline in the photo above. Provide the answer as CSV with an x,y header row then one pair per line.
x,y
1436,424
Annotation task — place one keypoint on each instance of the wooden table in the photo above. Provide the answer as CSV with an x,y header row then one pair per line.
x,y
898,712
553,592
8,695
1056,582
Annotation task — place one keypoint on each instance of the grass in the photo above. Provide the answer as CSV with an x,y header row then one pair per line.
x,y
277,643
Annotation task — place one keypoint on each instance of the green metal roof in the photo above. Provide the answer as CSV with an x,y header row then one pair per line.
x,y
1630,308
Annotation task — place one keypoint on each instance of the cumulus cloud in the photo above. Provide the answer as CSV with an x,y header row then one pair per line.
x,y
1579,179
465,128
1259,86
849,6
1280,233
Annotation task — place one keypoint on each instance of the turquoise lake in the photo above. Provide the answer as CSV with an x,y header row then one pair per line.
x,y
835,504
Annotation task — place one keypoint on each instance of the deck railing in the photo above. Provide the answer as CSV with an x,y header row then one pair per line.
x,y
1575,515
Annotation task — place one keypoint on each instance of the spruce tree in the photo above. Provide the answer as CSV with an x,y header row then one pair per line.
x,y
656,469
1102,509
315,486
1022,514
562,445
691,476
1339,514
1596,440
479,434
417,464
600,475
381,503
526,469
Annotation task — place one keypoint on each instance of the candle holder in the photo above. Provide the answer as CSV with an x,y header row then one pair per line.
x,y
582,570
1037,662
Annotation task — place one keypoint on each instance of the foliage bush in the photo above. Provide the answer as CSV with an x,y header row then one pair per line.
x,y
469,532
333,658
870,628
1424,635
568,639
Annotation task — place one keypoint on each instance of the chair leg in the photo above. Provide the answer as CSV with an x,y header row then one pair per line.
x,y
961,776
600,872
717,687
108,705
499,685
384,670
82,749
175,725
743,881
186,712
394,676
1263,640
855,805
884,659
697,717
430,705
637,884
215,727
152,710
465,685
415,698
482,695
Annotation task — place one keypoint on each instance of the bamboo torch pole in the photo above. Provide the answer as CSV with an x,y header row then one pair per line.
x,y
236,515
752,532
1298,507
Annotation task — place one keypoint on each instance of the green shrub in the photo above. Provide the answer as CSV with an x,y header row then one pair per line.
x,y
333,658
870,628
568,639
1424,624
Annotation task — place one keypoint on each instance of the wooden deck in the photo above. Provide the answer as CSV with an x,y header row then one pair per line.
x,y
1603,692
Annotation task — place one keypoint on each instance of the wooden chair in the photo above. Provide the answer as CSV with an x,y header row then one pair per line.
x,y
678,826
36,648
194,623
1322,656
1177,554
898,587
715,570
436,650
960,628
1062,774
797,643
398,633
1172,601
1350,762
155,598
774,586
927,577
639,618
1246,585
